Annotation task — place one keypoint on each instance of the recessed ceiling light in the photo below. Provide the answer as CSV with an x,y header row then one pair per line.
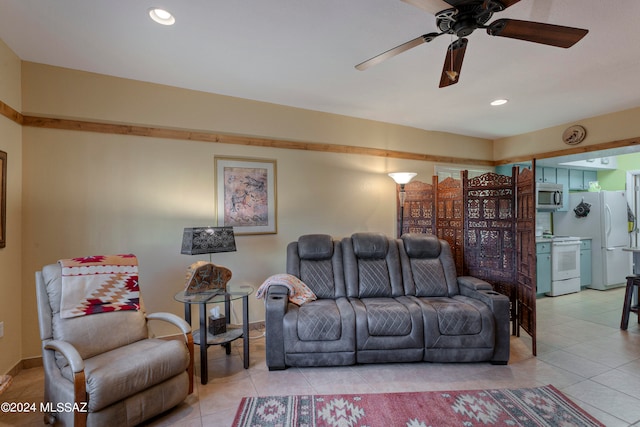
x,y
499,102
161,16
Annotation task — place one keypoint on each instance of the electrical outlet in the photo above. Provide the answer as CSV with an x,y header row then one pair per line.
x,y
1,329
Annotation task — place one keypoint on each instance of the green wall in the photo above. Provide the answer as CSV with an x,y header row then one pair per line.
x,y
615,180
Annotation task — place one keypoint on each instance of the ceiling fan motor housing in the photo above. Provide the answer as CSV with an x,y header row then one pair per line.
x,y
466,17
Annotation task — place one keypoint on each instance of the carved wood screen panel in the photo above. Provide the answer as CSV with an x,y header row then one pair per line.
x,y
526,253
489,230
449,221
417,215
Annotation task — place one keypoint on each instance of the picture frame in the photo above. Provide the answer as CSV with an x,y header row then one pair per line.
x,y
3,199
246,195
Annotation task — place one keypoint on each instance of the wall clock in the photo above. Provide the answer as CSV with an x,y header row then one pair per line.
x,y
574,135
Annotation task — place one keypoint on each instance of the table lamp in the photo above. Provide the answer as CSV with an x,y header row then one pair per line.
x,y
205,276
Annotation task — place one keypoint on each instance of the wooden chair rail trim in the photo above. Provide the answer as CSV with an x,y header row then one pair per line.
x,y
203,136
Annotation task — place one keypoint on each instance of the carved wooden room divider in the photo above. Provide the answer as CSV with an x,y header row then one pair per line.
x,y
526,252
450,217
417,215
490,233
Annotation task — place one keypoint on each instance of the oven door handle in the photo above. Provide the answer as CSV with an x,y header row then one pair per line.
x,y
565,243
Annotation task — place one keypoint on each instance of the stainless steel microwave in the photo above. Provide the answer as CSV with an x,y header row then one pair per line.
x,y
549,196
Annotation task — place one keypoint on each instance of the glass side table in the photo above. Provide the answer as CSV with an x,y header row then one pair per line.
x,y
234,292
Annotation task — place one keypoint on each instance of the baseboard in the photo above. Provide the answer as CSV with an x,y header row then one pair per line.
x,y
32,362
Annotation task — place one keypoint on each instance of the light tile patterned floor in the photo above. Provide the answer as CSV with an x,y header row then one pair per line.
x,y
581,351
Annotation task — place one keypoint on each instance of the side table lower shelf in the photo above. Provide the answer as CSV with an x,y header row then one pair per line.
x,y
232,334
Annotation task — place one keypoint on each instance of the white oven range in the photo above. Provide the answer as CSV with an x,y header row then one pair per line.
x,y
565,265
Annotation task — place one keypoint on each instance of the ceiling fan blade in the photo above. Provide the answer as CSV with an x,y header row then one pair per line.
x,y
453,62
396,50
508,3
537,32
431,6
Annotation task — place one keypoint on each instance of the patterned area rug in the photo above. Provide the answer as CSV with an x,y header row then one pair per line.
x,y
542,406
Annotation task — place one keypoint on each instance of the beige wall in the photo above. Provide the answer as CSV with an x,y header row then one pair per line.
x,y
602,129
75,94
11,283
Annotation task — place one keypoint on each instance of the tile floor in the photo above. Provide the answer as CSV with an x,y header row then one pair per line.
x,y
581,351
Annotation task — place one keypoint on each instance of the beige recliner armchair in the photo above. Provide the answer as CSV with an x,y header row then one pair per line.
x,y
104,369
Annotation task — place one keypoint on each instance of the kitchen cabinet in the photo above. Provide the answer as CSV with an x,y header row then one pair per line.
x,y
585,262
543,267
589,176
579,179
576,179
571,179
545,174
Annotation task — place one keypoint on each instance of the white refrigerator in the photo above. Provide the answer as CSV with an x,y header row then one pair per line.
x,y
606,225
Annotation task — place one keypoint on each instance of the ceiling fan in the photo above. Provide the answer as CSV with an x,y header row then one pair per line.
x,y
462,17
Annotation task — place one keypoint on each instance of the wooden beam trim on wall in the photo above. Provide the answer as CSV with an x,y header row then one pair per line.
x,y
575,150
10,113
183,134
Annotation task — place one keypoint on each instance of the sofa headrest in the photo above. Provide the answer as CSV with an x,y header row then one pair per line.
x,y
370,245
315,246
421,245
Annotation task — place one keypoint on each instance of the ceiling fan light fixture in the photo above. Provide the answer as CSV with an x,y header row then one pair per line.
x,y
161,16
498,102
452,75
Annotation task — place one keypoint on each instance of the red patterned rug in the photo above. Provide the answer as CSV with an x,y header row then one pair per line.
x,y
541,406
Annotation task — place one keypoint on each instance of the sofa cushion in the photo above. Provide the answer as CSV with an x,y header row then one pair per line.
x,y
317,260
456,318
315,246
428,276
319,321
421,245
387,317
370,245
374,278
319,277
143,364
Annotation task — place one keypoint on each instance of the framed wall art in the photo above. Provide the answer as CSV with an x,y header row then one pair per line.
x,y
246,195
3,199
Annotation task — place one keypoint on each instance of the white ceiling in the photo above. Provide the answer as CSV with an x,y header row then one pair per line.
x,y
302,53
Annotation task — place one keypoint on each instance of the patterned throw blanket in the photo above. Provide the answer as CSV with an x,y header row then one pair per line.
x,y
299,292
99,284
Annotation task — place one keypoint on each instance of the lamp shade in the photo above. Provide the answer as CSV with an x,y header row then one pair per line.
x,y
402,177
207,240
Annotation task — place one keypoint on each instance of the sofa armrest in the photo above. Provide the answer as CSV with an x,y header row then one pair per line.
x,y
474,283
499,304
77,367
276,303
69,352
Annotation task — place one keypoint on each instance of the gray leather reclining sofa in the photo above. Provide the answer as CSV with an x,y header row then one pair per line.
x,y
383,300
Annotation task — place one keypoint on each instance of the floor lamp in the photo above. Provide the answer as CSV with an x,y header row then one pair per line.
x,y
402,178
